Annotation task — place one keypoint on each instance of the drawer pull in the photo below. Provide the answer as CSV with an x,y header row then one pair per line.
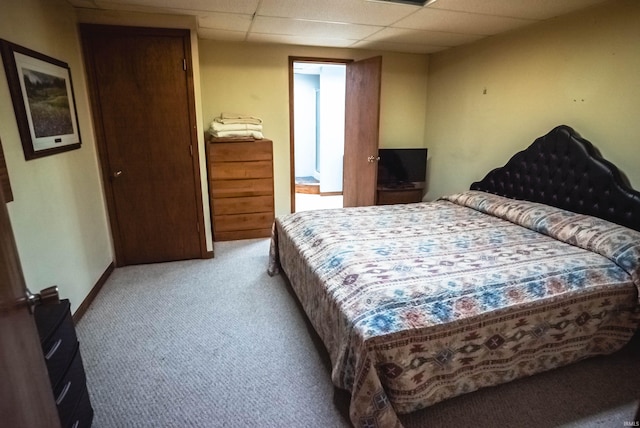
x,y
53,349
63,394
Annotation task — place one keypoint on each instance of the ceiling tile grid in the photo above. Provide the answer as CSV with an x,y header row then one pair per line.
x,y
366,24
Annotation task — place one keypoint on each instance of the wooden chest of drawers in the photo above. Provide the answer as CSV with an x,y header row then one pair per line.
x,y
64,364
240,188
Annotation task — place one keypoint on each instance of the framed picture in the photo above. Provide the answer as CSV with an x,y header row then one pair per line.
x,y
43,101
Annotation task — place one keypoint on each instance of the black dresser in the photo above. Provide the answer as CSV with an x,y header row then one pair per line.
x,y
62,356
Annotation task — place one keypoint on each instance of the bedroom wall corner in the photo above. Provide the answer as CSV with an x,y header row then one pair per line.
x,y
58,214
492,98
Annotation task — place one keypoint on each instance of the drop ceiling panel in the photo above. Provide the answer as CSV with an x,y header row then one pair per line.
x,y
430,38
128,7
352,11
332,30
397,47
225,21
299,40
529,9
228,36
231,6
460,22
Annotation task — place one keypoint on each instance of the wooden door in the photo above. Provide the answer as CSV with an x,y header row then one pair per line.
x,y
143,107
26,396
362,120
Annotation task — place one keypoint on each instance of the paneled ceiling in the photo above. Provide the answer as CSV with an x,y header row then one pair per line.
x,y
364,24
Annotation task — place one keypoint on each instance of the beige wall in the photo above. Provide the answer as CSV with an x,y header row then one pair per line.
x,y
581,70
58,215
253,79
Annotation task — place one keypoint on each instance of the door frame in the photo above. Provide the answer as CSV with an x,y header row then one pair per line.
x,y
292,158
86,30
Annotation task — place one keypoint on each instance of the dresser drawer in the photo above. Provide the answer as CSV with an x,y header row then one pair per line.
x,y
68,392
58,338
252,204
59,348
241,188
240,170
235,235
83,413
49,317
226,223
241,151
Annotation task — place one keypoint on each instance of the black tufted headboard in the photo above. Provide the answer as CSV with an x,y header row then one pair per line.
x,y
564,170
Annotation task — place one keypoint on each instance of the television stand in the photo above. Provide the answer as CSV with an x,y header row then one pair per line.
x,y
389,195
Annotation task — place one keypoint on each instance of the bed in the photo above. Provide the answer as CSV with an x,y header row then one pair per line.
x,y
535,267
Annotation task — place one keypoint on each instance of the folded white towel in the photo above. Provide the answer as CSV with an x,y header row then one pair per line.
x,y
238,116
223,134
233,118
254,120
218,126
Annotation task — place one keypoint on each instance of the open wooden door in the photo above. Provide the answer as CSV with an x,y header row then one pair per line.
x,y
26,397
362,120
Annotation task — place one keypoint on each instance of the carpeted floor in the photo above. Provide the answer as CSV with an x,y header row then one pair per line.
x,y
219,343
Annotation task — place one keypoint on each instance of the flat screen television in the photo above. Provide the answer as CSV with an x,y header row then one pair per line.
x,y
398,168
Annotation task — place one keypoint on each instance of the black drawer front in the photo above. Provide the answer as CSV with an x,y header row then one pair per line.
x,y
83,414
69,391
59,348
49,317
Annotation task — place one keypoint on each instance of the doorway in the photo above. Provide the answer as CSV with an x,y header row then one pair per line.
x,y
318,119
361,112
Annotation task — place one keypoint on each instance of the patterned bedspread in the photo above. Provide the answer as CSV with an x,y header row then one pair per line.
x,y
421,302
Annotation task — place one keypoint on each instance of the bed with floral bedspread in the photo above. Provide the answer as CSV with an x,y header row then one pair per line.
x,y
421,302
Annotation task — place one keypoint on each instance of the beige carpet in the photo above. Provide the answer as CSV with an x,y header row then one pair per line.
x,y
219,343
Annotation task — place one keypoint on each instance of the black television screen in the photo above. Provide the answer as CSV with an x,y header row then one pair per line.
x,y
401,167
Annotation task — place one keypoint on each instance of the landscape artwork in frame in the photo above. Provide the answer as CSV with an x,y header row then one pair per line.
x,y
43,101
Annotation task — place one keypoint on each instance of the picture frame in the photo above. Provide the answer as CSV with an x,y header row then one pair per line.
x,y
43,101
